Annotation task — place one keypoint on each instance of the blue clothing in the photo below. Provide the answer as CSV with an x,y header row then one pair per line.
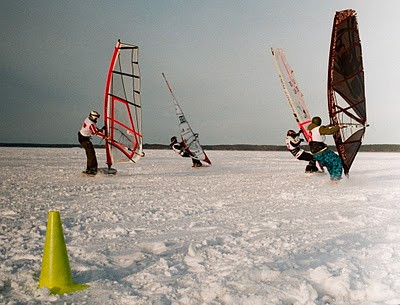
x,y
332,162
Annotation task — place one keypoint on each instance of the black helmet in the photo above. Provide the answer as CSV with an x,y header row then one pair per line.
x,y
316,120
292,133
174,139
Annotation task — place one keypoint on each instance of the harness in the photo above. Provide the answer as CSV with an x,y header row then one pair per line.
x,y
317,144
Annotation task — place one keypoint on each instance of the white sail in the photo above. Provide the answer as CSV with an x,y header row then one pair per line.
x,y
292,92
188,136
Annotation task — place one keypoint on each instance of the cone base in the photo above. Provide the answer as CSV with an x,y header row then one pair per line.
x,y
66,289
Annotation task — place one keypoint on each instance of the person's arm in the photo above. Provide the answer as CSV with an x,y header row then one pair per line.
x,y
177,147
328,130
295,142
97,132
186,149
100,134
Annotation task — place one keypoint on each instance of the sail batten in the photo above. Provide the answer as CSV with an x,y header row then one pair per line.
x,y
346,88
122,106
126,74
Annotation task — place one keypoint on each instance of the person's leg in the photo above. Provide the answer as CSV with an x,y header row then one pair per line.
x,y
337,167
333,163
91,165
196,163
305,156
311,167
319,158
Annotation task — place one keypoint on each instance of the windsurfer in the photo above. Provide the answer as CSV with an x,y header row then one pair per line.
x,y
181,149
320,150
84,135
293,142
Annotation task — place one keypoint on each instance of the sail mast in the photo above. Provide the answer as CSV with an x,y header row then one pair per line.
x,y
107,111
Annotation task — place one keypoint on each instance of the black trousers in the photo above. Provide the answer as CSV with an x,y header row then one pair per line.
x,y
306,156
91,164
195,161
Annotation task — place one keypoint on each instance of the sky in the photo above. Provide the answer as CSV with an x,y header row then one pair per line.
x,y
215,54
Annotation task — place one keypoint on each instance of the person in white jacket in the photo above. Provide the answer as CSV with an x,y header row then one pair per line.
x,y
293,142
87,130
182,150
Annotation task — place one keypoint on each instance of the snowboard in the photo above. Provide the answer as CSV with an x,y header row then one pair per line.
x,y
106,171
103,171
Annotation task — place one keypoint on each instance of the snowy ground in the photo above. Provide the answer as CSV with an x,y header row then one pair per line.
x,y
250,229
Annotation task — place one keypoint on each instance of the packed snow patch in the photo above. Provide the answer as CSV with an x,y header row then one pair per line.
x,y
250,229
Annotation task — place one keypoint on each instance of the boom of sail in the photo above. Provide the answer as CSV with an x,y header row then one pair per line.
x,y
189,138
293,94
346,90
122,106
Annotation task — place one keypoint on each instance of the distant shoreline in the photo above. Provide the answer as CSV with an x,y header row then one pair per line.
x,y
240,147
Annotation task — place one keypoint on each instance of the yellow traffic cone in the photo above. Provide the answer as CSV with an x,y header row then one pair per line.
x,y
56,273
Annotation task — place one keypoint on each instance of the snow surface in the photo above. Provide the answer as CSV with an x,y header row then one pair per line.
x,y
250,229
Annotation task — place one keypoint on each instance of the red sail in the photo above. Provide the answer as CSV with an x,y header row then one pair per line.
x,y
122,106
346,90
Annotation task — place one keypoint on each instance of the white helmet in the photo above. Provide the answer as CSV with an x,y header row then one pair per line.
x,y
94,115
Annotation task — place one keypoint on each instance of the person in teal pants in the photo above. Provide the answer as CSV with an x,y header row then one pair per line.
x,y
320,150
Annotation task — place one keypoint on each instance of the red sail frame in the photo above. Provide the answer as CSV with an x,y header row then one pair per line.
x,y
107,89
346,79
132,149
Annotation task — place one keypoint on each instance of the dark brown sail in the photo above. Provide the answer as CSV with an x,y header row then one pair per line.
x,y
346,90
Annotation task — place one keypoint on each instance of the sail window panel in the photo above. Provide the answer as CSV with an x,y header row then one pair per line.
x,y
122,87
348,117
348,76
123,120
